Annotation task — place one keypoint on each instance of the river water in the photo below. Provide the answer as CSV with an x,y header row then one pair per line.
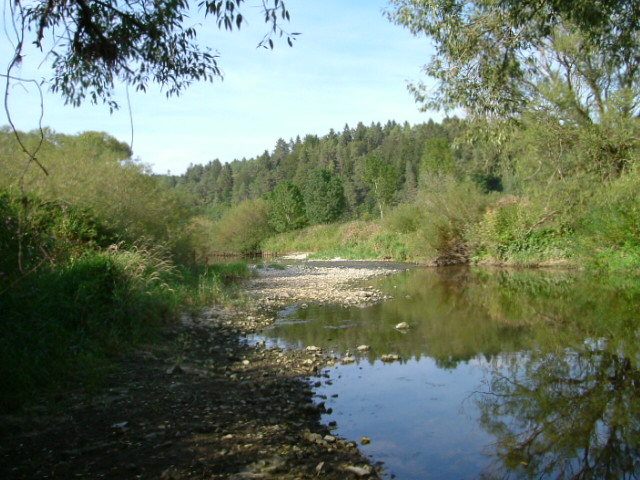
x,y
501,374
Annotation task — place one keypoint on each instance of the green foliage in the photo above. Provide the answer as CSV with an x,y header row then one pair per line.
x,y
382,179
135,43
398,147
35,233
210,284
437,157
243,228
69,303
352,240
61,323
324,197
94,170
286,208
520,231
498,58
610,232
451,207
405,218
552,89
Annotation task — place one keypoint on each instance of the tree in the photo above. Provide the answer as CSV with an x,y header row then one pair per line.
x,y
324,197
500,57
224,185
286,208
92,43
437,157
382,178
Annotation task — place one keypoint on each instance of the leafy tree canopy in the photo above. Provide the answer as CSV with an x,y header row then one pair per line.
x,y
93,43
574,59
438,158
324,197
286,208
382,178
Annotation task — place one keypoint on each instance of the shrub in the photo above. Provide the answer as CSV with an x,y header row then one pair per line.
x,y
521,230
609,234
35,233
62,322
243,228
451,207
405,218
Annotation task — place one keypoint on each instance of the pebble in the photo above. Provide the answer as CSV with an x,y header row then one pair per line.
x,y
348,360
359,471
389,358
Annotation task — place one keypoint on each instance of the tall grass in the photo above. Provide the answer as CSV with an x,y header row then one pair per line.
x,y
67,305
355,240
63,323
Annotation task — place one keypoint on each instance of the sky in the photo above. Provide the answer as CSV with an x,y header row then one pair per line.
x,y
350,64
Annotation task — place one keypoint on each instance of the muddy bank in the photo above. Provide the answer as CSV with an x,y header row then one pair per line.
x,y
201,404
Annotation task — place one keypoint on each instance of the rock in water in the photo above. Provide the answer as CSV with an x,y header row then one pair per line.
x,y
389,358
348,360
359,471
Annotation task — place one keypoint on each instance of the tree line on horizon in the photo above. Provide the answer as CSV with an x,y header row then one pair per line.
x,y
359,172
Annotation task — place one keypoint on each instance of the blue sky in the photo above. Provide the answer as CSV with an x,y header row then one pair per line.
x,y
349,64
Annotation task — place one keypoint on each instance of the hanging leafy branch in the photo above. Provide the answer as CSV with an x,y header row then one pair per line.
x,y
94,43
498,58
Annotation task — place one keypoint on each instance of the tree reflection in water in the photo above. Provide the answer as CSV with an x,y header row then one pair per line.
x,y
556,406
564,415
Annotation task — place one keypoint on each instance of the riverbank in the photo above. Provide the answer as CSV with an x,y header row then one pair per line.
x,y
203,403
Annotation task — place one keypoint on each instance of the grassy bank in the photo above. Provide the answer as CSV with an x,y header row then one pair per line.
x,y
352,240
71,300
455,222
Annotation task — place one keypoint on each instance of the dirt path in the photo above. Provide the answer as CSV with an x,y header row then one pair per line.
x,y
202,404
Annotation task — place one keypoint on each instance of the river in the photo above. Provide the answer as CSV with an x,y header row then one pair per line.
x,y
501,373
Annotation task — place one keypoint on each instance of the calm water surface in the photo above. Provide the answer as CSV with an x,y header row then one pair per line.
x,y
503,374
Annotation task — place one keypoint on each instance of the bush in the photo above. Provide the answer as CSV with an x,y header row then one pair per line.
x,y
243,228
405,218
63,322
609,234
520,230
95,171
450,208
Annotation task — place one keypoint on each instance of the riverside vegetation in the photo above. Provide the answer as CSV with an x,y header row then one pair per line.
x,y
99,253
114,250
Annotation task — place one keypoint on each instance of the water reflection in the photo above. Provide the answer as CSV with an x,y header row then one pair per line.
x,y
564,415
539,369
